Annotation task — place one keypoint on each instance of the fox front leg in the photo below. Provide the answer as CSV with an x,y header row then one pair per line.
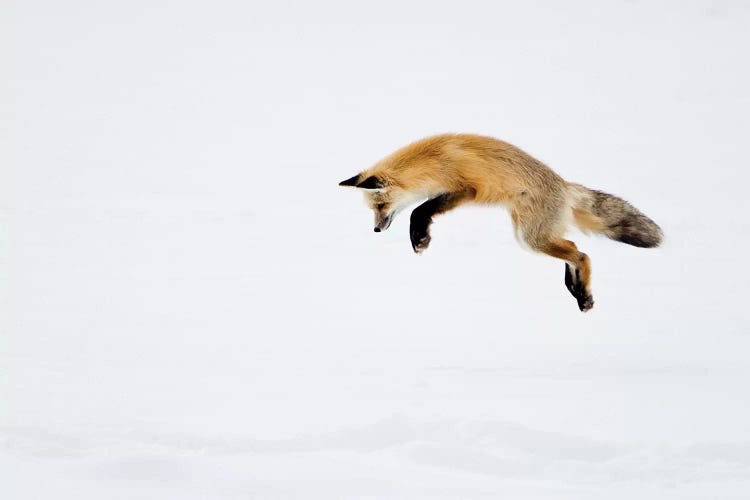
x,y
419,230
421,217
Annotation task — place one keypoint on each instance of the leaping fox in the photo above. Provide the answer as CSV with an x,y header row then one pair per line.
x,y
452,169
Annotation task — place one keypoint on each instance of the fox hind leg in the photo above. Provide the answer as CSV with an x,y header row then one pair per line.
x,y
576,288
577,270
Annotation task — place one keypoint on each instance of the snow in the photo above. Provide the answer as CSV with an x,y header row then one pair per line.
x,y
192,308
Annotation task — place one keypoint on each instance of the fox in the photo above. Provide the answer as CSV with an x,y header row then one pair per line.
x,y
446,171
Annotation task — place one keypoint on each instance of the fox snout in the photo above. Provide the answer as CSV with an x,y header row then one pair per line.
x,y
382,221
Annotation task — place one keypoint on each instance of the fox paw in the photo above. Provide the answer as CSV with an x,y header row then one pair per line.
x,y
577,289
420,240
585,302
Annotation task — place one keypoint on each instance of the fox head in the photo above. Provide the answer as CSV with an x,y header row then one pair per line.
x,y
382,195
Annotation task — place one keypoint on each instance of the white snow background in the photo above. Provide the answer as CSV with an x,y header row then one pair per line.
x,y
192,308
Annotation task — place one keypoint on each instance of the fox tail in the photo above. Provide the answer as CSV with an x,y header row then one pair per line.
x,y
615,218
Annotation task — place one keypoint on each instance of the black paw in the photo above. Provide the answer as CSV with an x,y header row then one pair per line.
x,y
577,290
585,302
420,238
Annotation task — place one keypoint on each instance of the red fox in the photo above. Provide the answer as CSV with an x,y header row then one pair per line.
x,y
452,169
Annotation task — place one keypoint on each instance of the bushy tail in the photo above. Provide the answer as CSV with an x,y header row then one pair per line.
x,y
613,217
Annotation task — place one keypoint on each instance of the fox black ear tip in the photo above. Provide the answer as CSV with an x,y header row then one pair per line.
x,y
351,181
372,182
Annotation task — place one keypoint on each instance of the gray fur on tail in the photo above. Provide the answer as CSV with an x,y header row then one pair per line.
x,y
624,222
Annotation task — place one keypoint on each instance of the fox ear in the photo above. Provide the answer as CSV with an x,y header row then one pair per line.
x,y
372,182
351,181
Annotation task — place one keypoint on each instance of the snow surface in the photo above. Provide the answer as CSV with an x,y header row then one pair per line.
x,y
192,308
